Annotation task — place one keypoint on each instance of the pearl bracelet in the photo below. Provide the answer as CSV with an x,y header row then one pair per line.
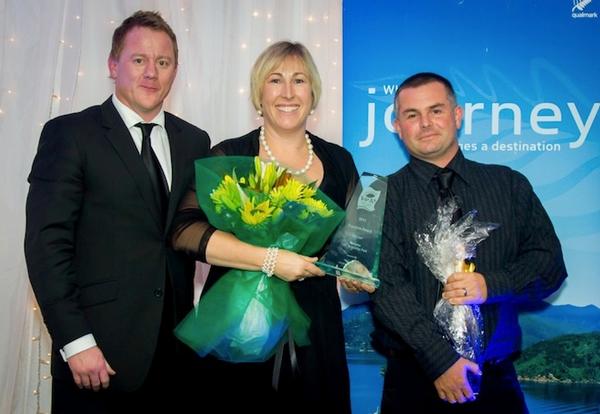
x,y
268,266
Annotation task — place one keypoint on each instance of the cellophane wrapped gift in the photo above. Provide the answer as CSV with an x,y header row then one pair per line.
x,y
446,247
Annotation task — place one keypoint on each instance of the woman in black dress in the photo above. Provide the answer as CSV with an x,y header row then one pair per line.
x,y
285,87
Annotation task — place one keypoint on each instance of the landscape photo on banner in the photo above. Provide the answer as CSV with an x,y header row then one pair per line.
x,y
526,74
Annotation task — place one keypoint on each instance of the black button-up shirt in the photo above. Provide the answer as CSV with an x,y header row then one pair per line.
x,y
520,261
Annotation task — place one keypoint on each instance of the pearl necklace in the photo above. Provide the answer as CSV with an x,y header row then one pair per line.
x,y
309,161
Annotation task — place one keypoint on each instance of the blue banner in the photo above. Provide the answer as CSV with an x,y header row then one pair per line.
x,y
527,75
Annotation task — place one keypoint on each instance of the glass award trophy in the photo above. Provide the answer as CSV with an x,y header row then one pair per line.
x,y
355,248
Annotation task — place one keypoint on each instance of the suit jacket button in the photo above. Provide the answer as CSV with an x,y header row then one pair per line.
x,y
158,293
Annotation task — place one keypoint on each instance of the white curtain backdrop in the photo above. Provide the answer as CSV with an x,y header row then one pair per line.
x,y
53,57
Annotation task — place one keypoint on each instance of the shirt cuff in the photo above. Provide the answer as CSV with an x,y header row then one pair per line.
x,y
77,346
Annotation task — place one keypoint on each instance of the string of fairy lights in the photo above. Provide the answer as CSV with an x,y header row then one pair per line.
x,y
41,355
39,375
56,96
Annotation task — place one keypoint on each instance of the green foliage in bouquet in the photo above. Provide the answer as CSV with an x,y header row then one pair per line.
x,y
245,315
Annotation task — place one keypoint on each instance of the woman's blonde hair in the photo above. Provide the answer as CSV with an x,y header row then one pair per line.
x,y
271,58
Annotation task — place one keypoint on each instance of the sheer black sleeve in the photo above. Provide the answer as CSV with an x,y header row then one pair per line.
x,y
191,229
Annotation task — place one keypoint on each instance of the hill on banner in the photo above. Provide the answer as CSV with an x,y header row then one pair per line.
x,y
538,325
553,321
567,358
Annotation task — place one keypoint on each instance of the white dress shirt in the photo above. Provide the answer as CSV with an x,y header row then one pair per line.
x,y
158,137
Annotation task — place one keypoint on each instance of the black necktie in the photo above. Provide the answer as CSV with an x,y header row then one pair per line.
x,y
159,182
444,178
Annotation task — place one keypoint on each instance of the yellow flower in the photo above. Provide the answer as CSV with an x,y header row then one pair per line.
x,y
256,214
264,193
317,207
310,190
265,176
292,190
228,194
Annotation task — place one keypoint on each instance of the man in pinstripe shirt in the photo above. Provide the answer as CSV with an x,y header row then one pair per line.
x,y
521,261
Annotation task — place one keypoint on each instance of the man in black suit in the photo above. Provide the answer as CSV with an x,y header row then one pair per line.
x,y
104,186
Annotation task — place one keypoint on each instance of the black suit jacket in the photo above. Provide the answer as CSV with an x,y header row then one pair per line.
x,y
96,248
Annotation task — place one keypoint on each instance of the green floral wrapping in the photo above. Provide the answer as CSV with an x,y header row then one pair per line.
x,y
246,314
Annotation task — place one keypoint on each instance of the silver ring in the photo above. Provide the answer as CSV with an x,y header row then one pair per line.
x,y
466,292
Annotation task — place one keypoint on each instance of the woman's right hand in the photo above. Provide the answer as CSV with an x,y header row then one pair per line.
x,y
291,266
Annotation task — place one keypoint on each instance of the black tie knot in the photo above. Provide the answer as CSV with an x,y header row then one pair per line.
x,y
146,128
444,178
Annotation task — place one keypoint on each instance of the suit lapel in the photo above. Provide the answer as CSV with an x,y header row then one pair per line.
x,y
120,138
178,167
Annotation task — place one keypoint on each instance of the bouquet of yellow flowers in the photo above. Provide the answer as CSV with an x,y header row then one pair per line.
x,y
246,314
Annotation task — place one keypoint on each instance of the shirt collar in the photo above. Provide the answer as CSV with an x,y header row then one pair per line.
x,y
426,171
130,117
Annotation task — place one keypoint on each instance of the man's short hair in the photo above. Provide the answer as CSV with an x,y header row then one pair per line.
x,y
423,78
141,18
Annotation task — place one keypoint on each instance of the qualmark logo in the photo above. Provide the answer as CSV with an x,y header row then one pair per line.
x,y
577,12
